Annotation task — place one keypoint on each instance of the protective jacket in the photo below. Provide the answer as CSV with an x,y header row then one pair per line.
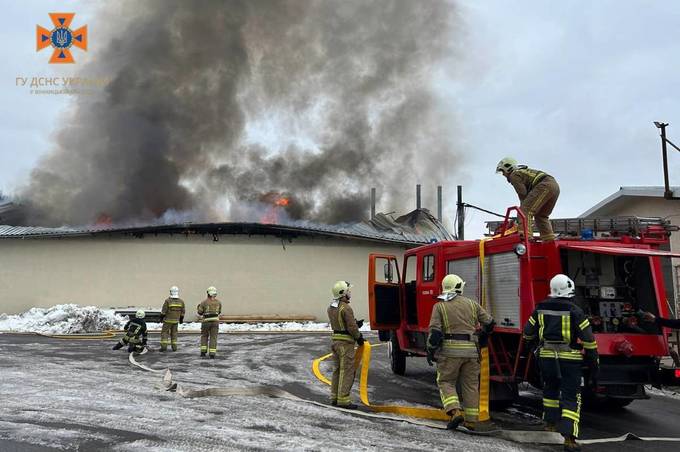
x,y
173,310
341,318
454,322
136,330
558,323
210,309
524,179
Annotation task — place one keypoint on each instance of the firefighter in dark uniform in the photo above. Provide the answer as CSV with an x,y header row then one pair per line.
x,y
453,345
172,314
210,310
345,334
557,323
538,193
135,334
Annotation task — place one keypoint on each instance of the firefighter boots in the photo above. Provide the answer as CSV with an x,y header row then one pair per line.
x,y
349,406
549,427
203,354
212,356
456,419
570,444
469,425
118,346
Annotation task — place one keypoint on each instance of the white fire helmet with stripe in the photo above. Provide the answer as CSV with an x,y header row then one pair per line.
x,y
212,291
174,292
506,165
140,314
562,286
452,285
341,289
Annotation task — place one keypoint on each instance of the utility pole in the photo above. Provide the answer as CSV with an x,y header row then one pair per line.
x,y
667,192
460,214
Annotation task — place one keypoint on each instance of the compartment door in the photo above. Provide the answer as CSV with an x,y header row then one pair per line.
x,y
384,292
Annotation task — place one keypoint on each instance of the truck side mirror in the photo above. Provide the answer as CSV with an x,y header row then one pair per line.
x,y
388,272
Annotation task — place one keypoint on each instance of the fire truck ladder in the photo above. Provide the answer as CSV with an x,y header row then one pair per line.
x,y
649,227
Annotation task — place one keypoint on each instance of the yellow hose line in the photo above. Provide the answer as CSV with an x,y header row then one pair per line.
x,y
484,352
362,359
108,334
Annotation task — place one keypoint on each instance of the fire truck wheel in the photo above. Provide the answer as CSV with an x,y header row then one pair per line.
x,y
397,357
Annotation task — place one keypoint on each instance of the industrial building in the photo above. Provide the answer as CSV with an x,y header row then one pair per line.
x,y
258,269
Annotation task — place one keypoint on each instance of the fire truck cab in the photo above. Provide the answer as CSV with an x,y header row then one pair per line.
x,y
617,268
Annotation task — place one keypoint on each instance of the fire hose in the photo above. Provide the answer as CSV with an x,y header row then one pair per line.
x,y
377,411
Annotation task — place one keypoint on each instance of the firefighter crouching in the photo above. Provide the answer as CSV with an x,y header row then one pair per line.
x,y
172,314
557,323
210,310
453,345
345,333
135,334
538,193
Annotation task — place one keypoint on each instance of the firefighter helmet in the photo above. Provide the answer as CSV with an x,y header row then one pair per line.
x,y
140,314
453,283
341,289
561,286
174,292
212,291
506,165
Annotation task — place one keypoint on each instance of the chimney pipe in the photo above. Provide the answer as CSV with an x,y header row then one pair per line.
x,y
373,203
439,203
418,196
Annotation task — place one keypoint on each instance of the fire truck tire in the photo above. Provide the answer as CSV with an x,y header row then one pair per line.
x,y
396,355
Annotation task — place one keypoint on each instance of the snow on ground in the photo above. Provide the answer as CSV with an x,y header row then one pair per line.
x,y
672,392
80,394
71,319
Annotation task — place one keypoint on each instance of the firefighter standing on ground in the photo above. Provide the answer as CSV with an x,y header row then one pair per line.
x,y
538,193
345,334
452,343
172,314
135,334
557,323
210,310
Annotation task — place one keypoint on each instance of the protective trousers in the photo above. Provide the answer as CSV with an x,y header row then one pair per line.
x,y
465,370
133,342
343,373
562,394
169,336
539,204
209,332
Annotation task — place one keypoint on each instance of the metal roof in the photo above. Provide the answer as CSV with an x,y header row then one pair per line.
x,y
634,191
416,228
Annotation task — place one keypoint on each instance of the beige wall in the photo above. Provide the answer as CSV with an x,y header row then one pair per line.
x,y
254,275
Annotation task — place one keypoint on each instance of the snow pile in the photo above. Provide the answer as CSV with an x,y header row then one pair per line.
x,y
62,319
258,327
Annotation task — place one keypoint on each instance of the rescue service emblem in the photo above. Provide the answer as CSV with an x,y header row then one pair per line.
x,y
61,38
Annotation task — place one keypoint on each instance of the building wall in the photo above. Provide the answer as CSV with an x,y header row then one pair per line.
x,y
253,275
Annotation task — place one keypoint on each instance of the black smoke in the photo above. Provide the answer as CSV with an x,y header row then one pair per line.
x,y
190,81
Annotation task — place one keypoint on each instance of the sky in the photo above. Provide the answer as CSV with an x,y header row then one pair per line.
x,y
571,88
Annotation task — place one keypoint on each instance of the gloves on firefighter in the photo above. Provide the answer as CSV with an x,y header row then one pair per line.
x,y
181,319
360,340
430,356
360,323
162,318
483,335
593,362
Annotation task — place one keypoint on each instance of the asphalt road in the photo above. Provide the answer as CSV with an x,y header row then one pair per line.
x,y
240,359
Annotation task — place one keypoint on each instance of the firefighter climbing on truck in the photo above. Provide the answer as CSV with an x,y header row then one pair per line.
x,y
537,191
453,345
558,324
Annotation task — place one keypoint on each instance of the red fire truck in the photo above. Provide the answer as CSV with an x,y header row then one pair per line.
x,y
618,268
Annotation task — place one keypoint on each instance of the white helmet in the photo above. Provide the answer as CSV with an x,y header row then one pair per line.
x,y
562,286
453,284
212,291
174,292
140,314
341,289
506,165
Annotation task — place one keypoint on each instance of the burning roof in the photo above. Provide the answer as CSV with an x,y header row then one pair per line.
x,y
415,228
